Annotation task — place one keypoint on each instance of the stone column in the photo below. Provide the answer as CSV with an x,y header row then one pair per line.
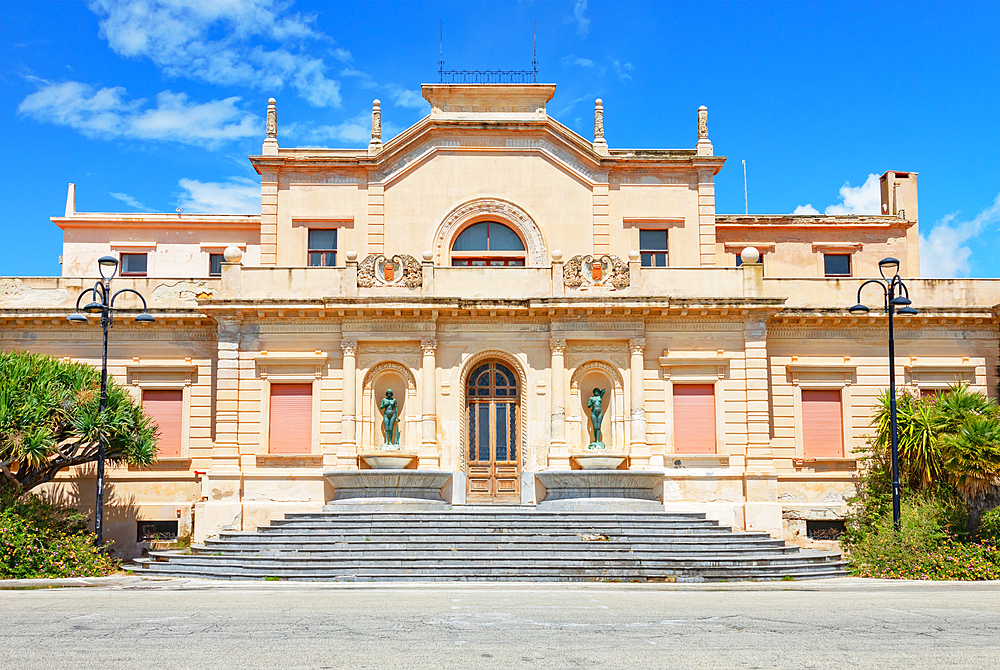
x,y
557,346
428,401
222,484
636,346
763,512
348,451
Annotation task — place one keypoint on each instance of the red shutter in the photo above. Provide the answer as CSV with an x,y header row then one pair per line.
x,y
166,409
822,425
694,419
290,419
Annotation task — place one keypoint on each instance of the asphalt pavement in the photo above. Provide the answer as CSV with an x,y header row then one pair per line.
x,y
131,622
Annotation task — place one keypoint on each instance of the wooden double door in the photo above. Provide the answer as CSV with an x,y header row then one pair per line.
x,y
493,471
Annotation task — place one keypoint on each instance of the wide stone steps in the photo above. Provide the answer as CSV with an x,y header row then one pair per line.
x,y
481,544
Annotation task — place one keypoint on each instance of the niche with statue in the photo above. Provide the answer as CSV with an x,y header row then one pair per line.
x,y
596,422
388,424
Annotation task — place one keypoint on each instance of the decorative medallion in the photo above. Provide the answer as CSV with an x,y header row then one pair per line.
x,y
400,270
583,272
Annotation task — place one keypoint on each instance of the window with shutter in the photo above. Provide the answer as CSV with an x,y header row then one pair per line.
x,y
290,419
694,419
822,424
166,409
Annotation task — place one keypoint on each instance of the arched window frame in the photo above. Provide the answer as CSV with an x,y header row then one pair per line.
x,y
488,257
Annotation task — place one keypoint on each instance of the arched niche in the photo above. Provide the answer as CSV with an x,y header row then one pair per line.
x,y
380,378
586,377
492,209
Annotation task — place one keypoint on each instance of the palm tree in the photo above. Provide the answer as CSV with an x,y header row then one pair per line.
x,y
49,420
972,458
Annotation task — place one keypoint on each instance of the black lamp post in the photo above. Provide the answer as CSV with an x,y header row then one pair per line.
x,y
895,294
103,303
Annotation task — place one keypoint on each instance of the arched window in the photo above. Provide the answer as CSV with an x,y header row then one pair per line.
x,y
488,244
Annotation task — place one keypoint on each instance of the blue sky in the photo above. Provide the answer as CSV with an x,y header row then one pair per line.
x,y
148,106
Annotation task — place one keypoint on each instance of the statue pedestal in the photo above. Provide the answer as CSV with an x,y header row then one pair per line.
x,y
597,460
387,459
602,490
387,487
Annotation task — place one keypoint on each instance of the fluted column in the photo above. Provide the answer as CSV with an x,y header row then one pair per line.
x,y
636,346
347,435
558,348
428,401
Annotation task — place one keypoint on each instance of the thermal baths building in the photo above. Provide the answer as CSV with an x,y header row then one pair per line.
x,y
490,238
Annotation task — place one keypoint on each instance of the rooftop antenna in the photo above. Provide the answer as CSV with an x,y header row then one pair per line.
x,y
441,56
746,203
534,56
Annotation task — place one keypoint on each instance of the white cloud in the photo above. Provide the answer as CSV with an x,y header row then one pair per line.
x,y
130,201
107,114
237,195
864,199
404,97
231,42
943,251
353,131
579,17
623,69
577,61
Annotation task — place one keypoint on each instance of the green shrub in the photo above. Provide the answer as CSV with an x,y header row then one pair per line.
x,y
42,539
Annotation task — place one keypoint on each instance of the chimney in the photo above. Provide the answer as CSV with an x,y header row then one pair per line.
x,y
899,194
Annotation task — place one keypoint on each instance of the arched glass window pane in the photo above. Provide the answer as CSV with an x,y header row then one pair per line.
x,y
503,238
473,238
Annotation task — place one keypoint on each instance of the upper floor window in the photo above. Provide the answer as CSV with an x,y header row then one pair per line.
x,y
653,248
837,265
322,247
488,244
215,265
133,265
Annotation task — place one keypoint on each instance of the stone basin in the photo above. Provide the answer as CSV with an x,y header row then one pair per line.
x,y
598,461
608,490
388,460
388,486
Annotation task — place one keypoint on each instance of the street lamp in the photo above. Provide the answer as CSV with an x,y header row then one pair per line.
x,y
895,295
103,303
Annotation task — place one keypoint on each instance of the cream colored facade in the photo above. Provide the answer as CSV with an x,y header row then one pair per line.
x,y
759,336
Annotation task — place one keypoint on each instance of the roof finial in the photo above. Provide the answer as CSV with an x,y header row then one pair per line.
x,y
600,144
704,146
375,145
271,128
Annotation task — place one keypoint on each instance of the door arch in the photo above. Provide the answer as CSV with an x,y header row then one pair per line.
x,y
493,425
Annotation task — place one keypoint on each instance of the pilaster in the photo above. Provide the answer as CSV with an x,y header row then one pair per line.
x,y
269,217
348,452
763,512
430,455
706,216
557,443
638,448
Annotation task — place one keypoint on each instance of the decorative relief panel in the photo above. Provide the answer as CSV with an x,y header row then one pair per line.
x,y
583,272
399,270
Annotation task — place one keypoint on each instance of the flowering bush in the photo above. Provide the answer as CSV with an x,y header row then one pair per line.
x,y
41,539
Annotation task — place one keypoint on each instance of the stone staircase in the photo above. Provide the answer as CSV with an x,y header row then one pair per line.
x,y
494,544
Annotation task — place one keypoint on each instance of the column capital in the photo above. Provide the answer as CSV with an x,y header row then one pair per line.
x,y
636,345
350,347
557,345
428,345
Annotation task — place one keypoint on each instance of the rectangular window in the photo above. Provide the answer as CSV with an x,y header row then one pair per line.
x,y
822,424
931,393
837,265
290,419
653,248
694,419
322,247
215,265
166,408
133,265
148,531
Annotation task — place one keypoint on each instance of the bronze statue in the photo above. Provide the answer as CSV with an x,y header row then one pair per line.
x,y
390,419
596,416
